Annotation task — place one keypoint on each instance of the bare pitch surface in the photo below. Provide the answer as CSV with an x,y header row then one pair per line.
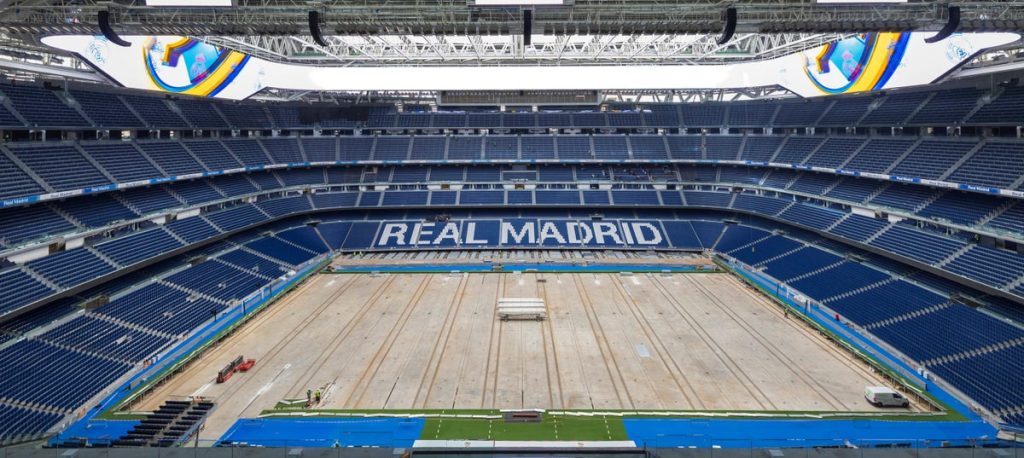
x,y
431,341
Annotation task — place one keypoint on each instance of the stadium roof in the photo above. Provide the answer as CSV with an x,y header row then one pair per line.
x,y
456,33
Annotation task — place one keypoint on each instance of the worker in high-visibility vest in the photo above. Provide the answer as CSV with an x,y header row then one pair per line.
x,y
317,396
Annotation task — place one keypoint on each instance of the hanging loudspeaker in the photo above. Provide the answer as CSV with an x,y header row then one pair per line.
x,y
104,21
314,28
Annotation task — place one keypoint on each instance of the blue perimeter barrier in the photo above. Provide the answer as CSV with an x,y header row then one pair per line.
x,y
324,432
102,431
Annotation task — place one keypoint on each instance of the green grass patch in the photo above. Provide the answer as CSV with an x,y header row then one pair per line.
x,y
551,428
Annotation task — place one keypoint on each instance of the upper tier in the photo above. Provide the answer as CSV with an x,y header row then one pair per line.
x,y
30,106
34,171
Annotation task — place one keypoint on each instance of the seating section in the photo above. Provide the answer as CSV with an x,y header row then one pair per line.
x,y
105,110
42,107
19,288
60,166
778,211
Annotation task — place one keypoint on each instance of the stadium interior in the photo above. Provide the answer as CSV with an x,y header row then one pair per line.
x,y
215,247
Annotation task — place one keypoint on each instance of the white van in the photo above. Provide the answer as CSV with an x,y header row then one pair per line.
x,y
881,396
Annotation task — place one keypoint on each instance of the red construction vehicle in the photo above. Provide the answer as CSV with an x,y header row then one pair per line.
x,y
239,364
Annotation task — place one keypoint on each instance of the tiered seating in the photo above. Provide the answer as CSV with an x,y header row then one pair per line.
x,y
995,164
193,229
985,378
284,150
306,237
21,224
320,149
557,197
98,211
280,250
610,147
404,198
812,183
139,246
1005,109
661,116
796,149
19,289
122,161
502,148
722,147
161,308
537,147
842,278
72,267
285,206
573,147
945,332
764,250
201,114
629,197
758,204
154,111
884,302
464,148
736,236
650,147
811,215
903,197
16,182
217,280
105,110
624,119
878,154
761,148
25,364
253,264
853,190
859,227
391,149
703,115
103,338
916,244
482,197
932,158
960,207
947,107
214,155
684,147
895,109
355,148
1011,219
244,116
249,152
19,424
800,114
171,157
835,151
751,114
428,148
806,260
845,111
298,177
992,266
61,166
41,107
